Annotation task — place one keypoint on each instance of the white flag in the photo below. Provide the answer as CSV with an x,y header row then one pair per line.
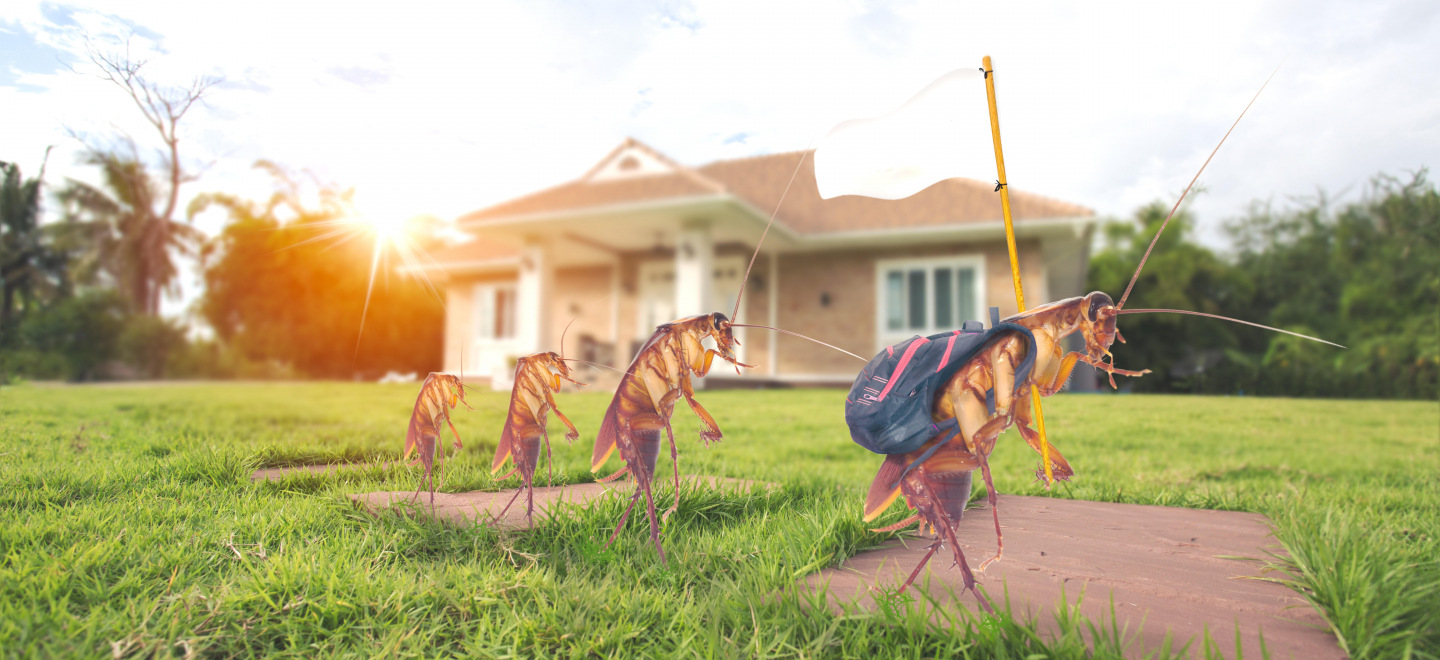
x,y
943,132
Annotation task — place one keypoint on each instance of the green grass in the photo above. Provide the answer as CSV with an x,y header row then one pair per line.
x,y
128,525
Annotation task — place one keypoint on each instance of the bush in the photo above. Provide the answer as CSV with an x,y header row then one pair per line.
x,y
148,342
85,330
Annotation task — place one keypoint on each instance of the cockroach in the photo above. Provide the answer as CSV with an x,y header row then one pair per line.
x,y
657,378
537,378
439,394
985,396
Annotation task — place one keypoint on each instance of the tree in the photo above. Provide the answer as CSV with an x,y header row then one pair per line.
x,y
145,216
31,266
1367,276
292,290
1179,275
124,236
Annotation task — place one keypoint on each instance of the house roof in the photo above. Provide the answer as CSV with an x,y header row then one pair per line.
x,y
761,180
473,254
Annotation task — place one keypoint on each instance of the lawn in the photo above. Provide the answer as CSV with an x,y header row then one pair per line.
x,y
129,526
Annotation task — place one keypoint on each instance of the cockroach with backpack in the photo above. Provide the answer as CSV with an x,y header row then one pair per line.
x,y
934,406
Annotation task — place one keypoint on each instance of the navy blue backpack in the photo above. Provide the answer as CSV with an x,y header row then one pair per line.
x,y
890,405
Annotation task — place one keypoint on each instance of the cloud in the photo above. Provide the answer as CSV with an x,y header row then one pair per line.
x,y
359,75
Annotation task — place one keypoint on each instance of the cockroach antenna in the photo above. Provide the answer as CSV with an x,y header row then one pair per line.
x,y
744,281
1225,318
1176,207
796,334
593,364
462,378
1120,307
562,335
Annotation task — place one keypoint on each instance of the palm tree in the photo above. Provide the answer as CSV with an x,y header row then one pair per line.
x,y
128,238
31,267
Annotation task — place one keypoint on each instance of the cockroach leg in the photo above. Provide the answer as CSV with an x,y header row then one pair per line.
x,y
965,569
675,461
496,518
994,510
899,525
654,523
618,473
921,566
624,517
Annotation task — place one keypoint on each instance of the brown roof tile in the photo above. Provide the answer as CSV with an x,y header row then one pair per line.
x,y
577,195
478,250
761,180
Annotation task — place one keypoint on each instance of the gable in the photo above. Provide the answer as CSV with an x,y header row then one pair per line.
x,y
629,161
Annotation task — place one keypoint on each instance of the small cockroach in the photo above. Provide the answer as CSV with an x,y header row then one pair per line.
x,y
657,378
439,395
537,378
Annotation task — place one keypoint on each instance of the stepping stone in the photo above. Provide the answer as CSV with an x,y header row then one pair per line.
x,y
482,506
1172,568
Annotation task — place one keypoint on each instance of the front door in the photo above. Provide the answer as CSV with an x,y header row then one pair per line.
x,y
494,348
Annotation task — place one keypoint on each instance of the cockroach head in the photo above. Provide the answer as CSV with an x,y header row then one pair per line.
x,y
724,335
1100,315
456,387
554,361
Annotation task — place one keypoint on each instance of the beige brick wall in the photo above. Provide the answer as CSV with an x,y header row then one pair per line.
x,y
1000,286
582,294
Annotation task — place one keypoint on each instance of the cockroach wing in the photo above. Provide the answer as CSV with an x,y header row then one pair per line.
x,y
609,434
507,435
884,490
418,421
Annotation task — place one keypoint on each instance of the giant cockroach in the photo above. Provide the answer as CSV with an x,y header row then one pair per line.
x,y
537,378
981,396
439,394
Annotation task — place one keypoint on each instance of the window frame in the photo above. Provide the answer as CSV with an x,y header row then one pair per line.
x,y
972,260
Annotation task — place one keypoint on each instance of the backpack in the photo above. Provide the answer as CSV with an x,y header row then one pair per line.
x,y
889,407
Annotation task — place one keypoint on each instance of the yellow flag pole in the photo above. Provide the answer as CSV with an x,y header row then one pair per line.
x,y
1004,189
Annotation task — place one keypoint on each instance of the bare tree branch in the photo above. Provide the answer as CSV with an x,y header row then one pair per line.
x,y
163,107
153,235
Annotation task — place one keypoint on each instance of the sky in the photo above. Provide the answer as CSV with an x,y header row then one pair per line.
x,y
442,108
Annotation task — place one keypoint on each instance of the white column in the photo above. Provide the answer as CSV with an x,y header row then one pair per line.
x,y
773,296
694,270
615,305
532,293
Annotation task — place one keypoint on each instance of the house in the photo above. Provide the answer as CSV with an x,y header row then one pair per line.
x,y
640,240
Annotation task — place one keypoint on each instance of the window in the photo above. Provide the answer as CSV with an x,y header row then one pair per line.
x,y
926,296
494,312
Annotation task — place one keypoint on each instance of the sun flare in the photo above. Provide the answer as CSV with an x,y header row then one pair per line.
x,y
388,228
